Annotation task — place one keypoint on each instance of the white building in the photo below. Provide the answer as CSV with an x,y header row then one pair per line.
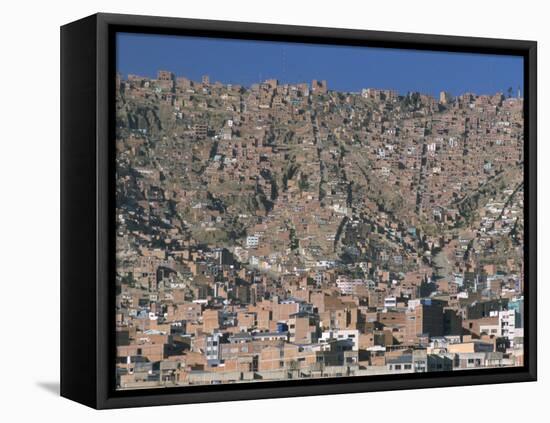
x,y
507,324
252,241
213,346
348,286
390,302
350,335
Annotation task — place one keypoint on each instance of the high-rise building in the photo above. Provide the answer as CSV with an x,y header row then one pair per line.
x,y
424,317
319,87
445,97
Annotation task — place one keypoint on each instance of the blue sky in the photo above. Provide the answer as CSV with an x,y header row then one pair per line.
x,y
345,68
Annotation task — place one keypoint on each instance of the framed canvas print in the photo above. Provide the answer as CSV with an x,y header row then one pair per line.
x,y
255,211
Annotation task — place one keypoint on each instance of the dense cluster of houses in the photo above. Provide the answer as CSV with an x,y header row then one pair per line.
x,y
286,231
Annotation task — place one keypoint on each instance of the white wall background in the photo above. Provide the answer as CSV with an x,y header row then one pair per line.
x,y
29,207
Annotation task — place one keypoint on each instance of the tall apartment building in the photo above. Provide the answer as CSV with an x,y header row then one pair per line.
x,y
319,87
424,317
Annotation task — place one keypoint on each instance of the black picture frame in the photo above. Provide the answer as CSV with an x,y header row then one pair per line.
x,y
88,224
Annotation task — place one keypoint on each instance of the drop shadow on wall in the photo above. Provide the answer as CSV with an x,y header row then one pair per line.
x,y
50,387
